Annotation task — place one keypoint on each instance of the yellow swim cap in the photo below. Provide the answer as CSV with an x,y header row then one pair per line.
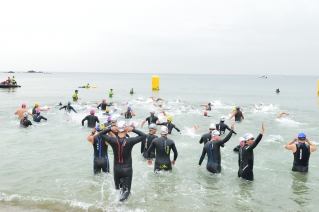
x,y
107,110
169,118
36,104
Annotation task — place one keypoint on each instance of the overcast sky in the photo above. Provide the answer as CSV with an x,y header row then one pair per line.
x,y
164,36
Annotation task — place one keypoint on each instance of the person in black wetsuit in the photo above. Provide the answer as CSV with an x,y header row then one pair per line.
x,y
68,107
241,143
36,107
207,136
162,147
170,125
108,122
212,149
152,119
100,157
92,119
237,114
301,152
148,140
122,149
207,106
221,127
37,117
103,105
129,113
246,155
107,112
25,122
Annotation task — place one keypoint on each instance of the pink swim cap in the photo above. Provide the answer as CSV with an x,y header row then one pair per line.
x,y
23,104
109,118
38,111
92,111
103,100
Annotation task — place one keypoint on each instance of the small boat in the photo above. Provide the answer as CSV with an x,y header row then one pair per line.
x,y
263,76
9,86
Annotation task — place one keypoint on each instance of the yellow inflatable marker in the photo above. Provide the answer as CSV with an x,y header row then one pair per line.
x,y
318,89
155,83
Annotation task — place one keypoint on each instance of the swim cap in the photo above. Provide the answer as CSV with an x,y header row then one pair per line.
x,y
113,119
69,102
92,112
215,132
248,136
222,118
205,113
99,127
23,105
107,110
132,123
241,141
25,114
103,100
128,108
36,104
38,111
302,136
169,118
109,118
212,127
164,130
160,104
121,125
209,103
152,127
152,112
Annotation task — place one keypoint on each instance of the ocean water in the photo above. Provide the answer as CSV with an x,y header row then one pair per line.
x,y
48,167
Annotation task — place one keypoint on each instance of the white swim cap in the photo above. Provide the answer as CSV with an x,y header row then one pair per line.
x,y
152,112
121,125
215,132
248,136
113,119
164,130
25,114
152,127
212,127
222,118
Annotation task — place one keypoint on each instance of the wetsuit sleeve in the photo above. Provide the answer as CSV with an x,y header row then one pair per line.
x,y
139,138
104,132
62,107
41,117
201,140
143,145
86,118
110,140
97,120
161,123
176,128
98,107
150,149
226,138
108,104
175,151
258,139
202,156
73,109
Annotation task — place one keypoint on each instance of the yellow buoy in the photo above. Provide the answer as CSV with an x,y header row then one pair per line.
x,y
155,83
318,88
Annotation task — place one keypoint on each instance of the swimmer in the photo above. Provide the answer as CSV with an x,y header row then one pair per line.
x,y
75,95
212,149
87,86
196,128
246,155
221,127
158,105
131,91
129,113
152,119
281,114
24,122
162,147
205,114
301,152
104,104
207,136
111,93
122,151
36,107
156,100
207,106
169,125
108,123
146,142
68,107
277,90
106,112
92,119
37,117
238,114
259,105
20,111
100,156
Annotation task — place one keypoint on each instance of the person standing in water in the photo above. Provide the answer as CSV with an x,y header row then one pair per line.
x,y
207,136
100,156
68,107
152,119
301,152
36,107
238,114
75,95
131,91
122,151
129,113
21,111
24,122
146,142
37,117
111,93
246,155
221,127
212,149
169,125
92,119
162,147
103,105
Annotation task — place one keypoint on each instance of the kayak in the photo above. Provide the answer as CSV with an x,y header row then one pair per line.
x,y
88,87
8,86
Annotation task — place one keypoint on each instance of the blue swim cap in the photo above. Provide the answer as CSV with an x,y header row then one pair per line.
x,y
209,103
69,102
302,136
128,108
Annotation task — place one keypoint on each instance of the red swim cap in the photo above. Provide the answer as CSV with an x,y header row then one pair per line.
x,y
205,113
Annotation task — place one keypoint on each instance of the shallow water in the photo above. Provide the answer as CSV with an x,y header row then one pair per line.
x,y
48,167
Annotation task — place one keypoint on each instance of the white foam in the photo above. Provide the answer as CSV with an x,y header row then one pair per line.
x,y
274,139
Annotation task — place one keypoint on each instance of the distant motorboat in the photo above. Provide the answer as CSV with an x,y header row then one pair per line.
x,y
263,76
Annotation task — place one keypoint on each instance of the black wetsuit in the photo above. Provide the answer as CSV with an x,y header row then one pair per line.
x,y
212,149
100,159
221,127
238,116
103,106
162,147
108,124
106,114
122,150
68,108
301,158
205,138
170,126
38,118
209,107
92,120
146,143
152,119
34,110
128,114
25,123
246,160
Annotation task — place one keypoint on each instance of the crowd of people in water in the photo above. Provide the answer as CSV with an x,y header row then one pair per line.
x,y
115,133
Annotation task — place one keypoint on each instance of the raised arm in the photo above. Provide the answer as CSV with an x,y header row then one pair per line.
x,y
259,137
228,136
139,138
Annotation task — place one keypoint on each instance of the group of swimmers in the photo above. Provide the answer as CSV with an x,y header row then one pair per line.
x,y
9,81
115,133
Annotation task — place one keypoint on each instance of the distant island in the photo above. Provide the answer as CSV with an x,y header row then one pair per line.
x,y
31,71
